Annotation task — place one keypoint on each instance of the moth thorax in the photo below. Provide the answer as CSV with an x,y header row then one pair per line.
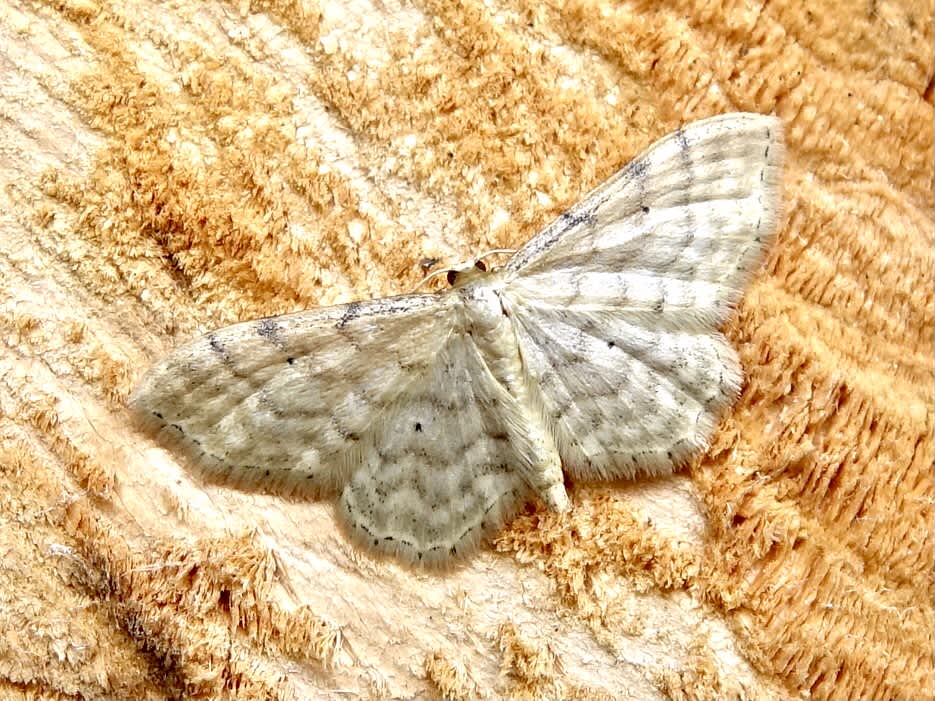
x,y
483,307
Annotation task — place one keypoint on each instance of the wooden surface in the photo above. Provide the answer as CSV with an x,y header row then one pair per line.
x,y
168,168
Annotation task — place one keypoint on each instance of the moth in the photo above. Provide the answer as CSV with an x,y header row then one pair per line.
x,y
593,352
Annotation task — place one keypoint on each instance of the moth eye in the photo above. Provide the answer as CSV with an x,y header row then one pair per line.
x,y
451,276
480,265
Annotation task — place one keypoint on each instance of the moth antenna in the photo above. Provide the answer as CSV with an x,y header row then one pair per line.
x,y
437,273
495,251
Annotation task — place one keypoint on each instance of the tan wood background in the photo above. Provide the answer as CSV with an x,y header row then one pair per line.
x,y
171,167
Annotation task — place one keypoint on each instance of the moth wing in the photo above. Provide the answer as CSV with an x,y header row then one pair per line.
x,y
617,303
444,467
289,400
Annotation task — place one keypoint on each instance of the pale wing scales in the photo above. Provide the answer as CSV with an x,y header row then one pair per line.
x,y
622,399
442,469
682,226
289,399
617,303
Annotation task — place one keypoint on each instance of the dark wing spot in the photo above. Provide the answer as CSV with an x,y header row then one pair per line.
x,y
351,312
216,345
682,140
574,217
268,329
418,427
637,169
451,276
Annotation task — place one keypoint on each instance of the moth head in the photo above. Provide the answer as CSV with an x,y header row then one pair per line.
x,y
465,273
